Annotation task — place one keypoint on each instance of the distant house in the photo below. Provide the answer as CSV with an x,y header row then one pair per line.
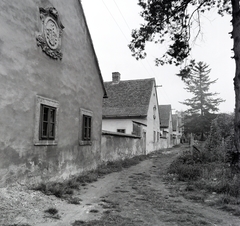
x,y
132,108
177,129
166,124
51,92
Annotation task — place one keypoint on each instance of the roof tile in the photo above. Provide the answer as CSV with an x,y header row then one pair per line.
x,y
128,98
164,111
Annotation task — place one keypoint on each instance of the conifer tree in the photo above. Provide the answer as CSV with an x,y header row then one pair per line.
x,y
203,104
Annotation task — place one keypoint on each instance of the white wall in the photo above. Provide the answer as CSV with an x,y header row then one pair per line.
x,y
153,124
114,124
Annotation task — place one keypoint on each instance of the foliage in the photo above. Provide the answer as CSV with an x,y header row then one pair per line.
x,y
185,168
169,22
203,104
209,168
219,144
198,83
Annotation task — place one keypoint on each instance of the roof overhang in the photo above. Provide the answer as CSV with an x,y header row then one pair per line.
x,y
123,116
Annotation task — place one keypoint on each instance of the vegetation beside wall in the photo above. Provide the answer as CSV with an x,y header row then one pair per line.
x,y
208,169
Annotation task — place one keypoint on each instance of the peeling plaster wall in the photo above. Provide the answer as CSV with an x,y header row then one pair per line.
x,y
26,71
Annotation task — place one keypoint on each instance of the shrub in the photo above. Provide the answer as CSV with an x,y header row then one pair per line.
x,y
185,168
51,211
219,145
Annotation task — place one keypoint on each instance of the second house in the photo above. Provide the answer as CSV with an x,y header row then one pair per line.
x,y
132,108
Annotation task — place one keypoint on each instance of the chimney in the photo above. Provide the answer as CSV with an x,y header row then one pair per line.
x,y
116,77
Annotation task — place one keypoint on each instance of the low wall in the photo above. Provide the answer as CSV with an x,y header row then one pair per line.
x,y
164,143
117,146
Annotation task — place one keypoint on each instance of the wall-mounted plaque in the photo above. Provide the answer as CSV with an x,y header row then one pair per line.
x,y
50,37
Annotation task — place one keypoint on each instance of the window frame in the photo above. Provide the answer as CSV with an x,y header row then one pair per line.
x,y
48,122
88,129
41,103
121,130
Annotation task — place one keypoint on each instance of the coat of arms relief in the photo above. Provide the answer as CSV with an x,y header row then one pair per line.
x,y
51,35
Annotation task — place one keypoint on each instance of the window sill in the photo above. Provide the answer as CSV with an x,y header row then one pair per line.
x,y
85,143
45,143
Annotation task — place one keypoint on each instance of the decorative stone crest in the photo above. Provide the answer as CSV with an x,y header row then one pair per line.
x,y
50,38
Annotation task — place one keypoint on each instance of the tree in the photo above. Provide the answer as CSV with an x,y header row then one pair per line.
x,y
170,21
203,104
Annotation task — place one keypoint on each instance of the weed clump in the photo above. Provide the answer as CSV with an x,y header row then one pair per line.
x,y
51,211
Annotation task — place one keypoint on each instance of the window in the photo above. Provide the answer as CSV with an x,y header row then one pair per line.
x,y
86,124
46,121
154,136
121,130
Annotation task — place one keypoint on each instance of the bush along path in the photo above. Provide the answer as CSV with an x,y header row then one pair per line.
x,y
143,194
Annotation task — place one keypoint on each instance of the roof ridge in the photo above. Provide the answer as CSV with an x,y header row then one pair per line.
x,y
133,80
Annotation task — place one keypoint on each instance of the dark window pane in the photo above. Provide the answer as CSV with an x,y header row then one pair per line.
x,y
89,122
45,114
89,133
86,127
44,129
52,115
51,130
85,133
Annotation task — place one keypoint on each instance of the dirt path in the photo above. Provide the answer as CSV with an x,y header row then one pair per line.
x,y
135,196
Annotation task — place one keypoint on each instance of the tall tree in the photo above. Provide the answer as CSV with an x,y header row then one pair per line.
x,y
203,104
170,21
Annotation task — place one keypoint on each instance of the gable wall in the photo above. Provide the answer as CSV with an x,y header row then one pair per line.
x,y
114,124
153,124
26,71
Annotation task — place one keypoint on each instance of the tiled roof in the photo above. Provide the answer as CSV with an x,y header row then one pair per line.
x,y
164,111
128,98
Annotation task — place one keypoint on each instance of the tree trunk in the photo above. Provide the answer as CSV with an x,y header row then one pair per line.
x,y
236,49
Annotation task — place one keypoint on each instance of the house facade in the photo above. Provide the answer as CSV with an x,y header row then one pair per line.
x,y
177,129
166,124
132,108
50,114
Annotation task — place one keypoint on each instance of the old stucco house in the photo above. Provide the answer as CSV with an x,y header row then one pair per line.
x,y
166,125
132,108
51,92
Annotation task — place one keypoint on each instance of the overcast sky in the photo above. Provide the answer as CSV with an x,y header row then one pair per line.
x,y
110,23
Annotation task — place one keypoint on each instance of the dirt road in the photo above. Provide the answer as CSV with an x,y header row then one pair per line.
x,y
135,196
